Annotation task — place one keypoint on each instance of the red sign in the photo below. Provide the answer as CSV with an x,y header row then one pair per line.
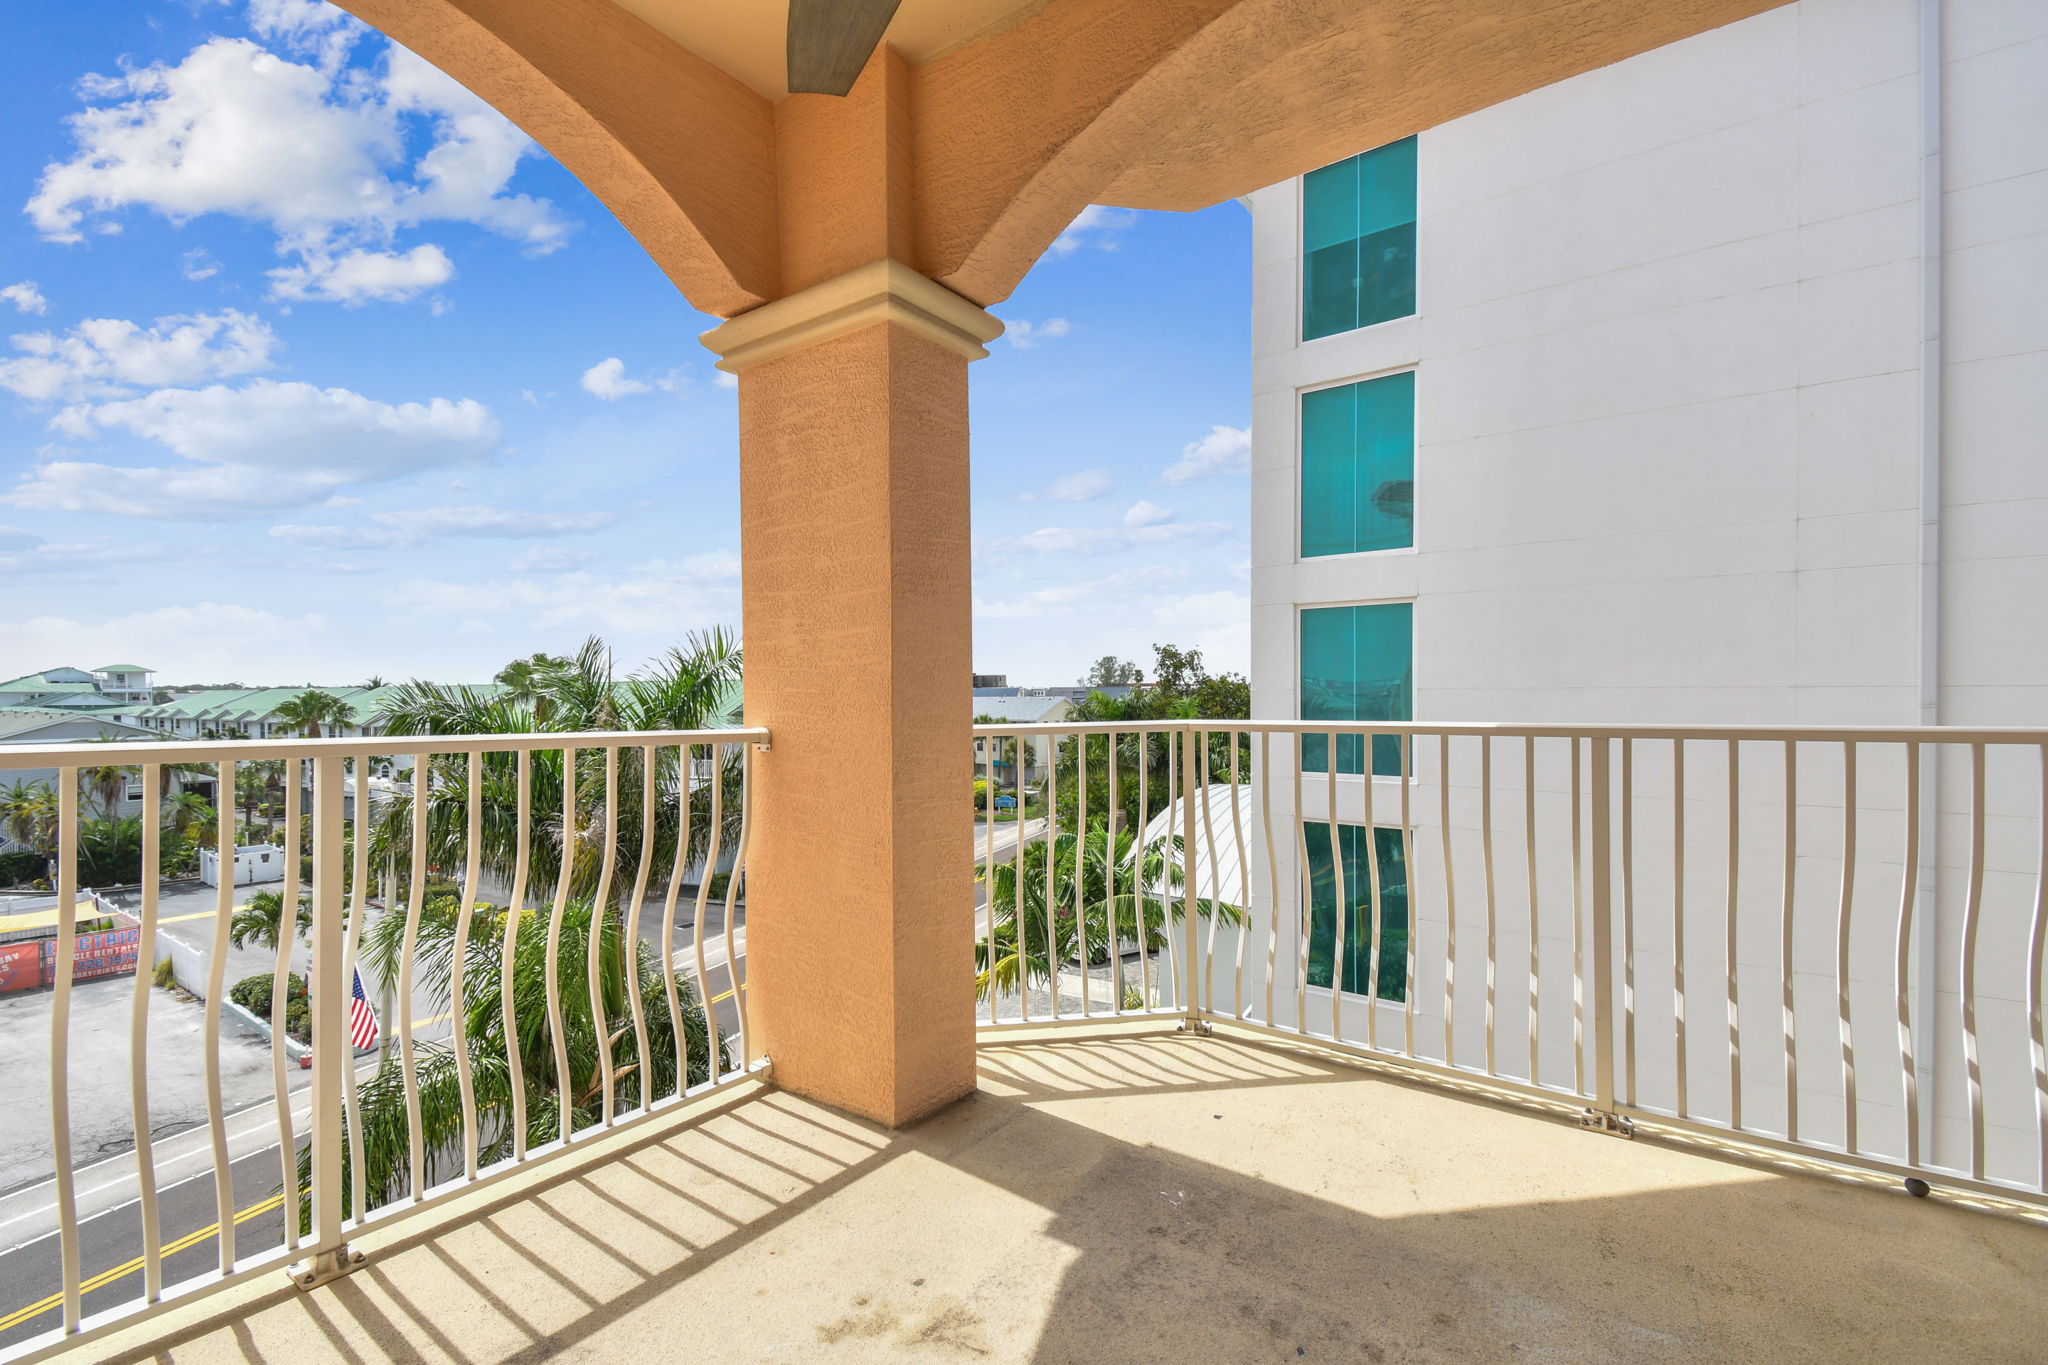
x,y
21,966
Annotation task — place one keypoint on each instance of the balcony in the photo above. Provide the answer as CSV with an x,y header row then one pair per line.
x,y
1162,1198
1799,968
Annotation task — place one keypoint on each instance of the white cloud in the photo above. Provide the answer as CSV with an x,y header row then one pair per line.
x,y
256,449
1097,226
26,557
194,640
1100,540
1080,487
1026,335
321,153
651,597
1055,601
26,298
607,379
1216,623
416,526
727,380
198,264
1145,513
1225,450
550,559
104,356
357,277
307,26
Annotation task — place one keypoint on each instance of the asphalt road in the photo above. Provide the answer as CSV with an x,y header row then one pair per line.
x,y
110,1247
110,1228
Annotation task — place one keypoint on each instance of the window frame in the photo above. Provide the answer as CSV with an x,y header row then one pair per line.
x,y
1414,652
1301,336
1413,367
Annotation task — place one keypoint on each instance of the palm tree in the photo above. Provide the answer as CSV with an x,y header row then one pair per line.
x,y
311,709
1032,941
687,689
260,920
667,1063
523,679
189,812
110,852
28,813
106,784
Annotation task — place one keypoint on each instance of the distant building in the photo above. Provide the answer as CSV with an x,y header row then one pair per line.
x,y
55,725
1031,709
251,712
126,683
61,689
1080,693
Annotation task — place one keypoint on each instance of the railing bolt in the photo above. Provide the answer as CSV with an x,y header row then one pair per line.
x,y
1198,1027
1604,1121
324,1266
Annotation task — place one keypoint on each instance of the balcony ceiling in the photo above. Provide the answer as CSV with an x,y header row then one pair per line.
x,y
1157,1199
746,39
992,123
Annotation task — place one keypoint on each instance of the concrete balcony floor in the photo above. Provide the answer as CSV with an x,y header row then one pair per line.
x,y
1158,1198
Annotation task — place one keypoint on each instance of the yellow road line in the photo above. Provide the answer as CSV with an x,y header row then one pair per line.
x,y
180,919
107,1277
728,995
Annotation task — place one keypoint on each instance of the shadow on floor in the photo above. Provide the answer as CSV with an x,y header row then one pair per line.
x,y
1173,1200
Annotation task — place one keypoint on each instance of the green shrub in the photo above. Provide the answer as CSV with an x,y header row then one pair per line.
x,y
178,858
162,975
19,866
253,993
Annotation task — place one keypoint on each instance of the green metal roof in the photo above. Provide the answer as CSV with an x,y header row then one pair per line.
x,y
36,683
23,720
122,668
236,706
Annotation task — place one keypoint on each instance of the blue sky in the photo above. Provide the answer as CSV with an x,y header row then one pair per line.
x,y
318,369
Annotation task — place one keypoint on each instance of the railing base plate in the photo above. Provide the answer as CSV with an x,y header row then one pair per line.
x,y
1198,1027
1601,1121
324,1266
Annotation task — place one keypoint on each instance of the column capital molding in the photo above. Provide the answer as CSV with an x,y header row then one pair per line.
x,y
880,291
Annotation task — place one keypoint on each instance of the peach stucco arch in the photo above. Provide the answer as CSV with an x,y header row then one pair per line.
x,y
1182,106
979,157
679,151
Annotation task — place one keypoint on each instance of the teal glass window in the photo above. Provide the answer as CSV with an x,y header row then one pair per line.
x,y
1356,664
1358,241
1358,467
1358,918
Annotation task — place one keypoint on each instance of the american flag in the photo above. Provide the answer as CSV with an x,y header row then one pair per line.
x,y
362,1020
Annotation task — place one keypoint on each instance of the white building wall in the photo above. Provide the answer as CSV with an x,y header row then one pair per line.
x,y
1669,448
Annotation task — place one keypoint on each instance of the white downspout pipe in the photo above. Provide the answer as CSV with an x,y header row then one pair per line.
x,y
1928,612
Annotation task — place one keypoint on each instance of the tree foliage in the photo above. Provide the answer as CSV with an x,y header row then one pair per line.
x,y
1099,881
683,690
675,1053
313,708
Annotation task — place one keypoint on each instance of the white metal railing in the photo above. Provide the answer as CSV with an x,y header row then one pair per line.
x,y
1823,940
540,833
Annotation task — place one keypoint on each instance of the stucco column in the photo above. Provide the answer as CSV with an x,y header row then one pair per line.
x,y
856,613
